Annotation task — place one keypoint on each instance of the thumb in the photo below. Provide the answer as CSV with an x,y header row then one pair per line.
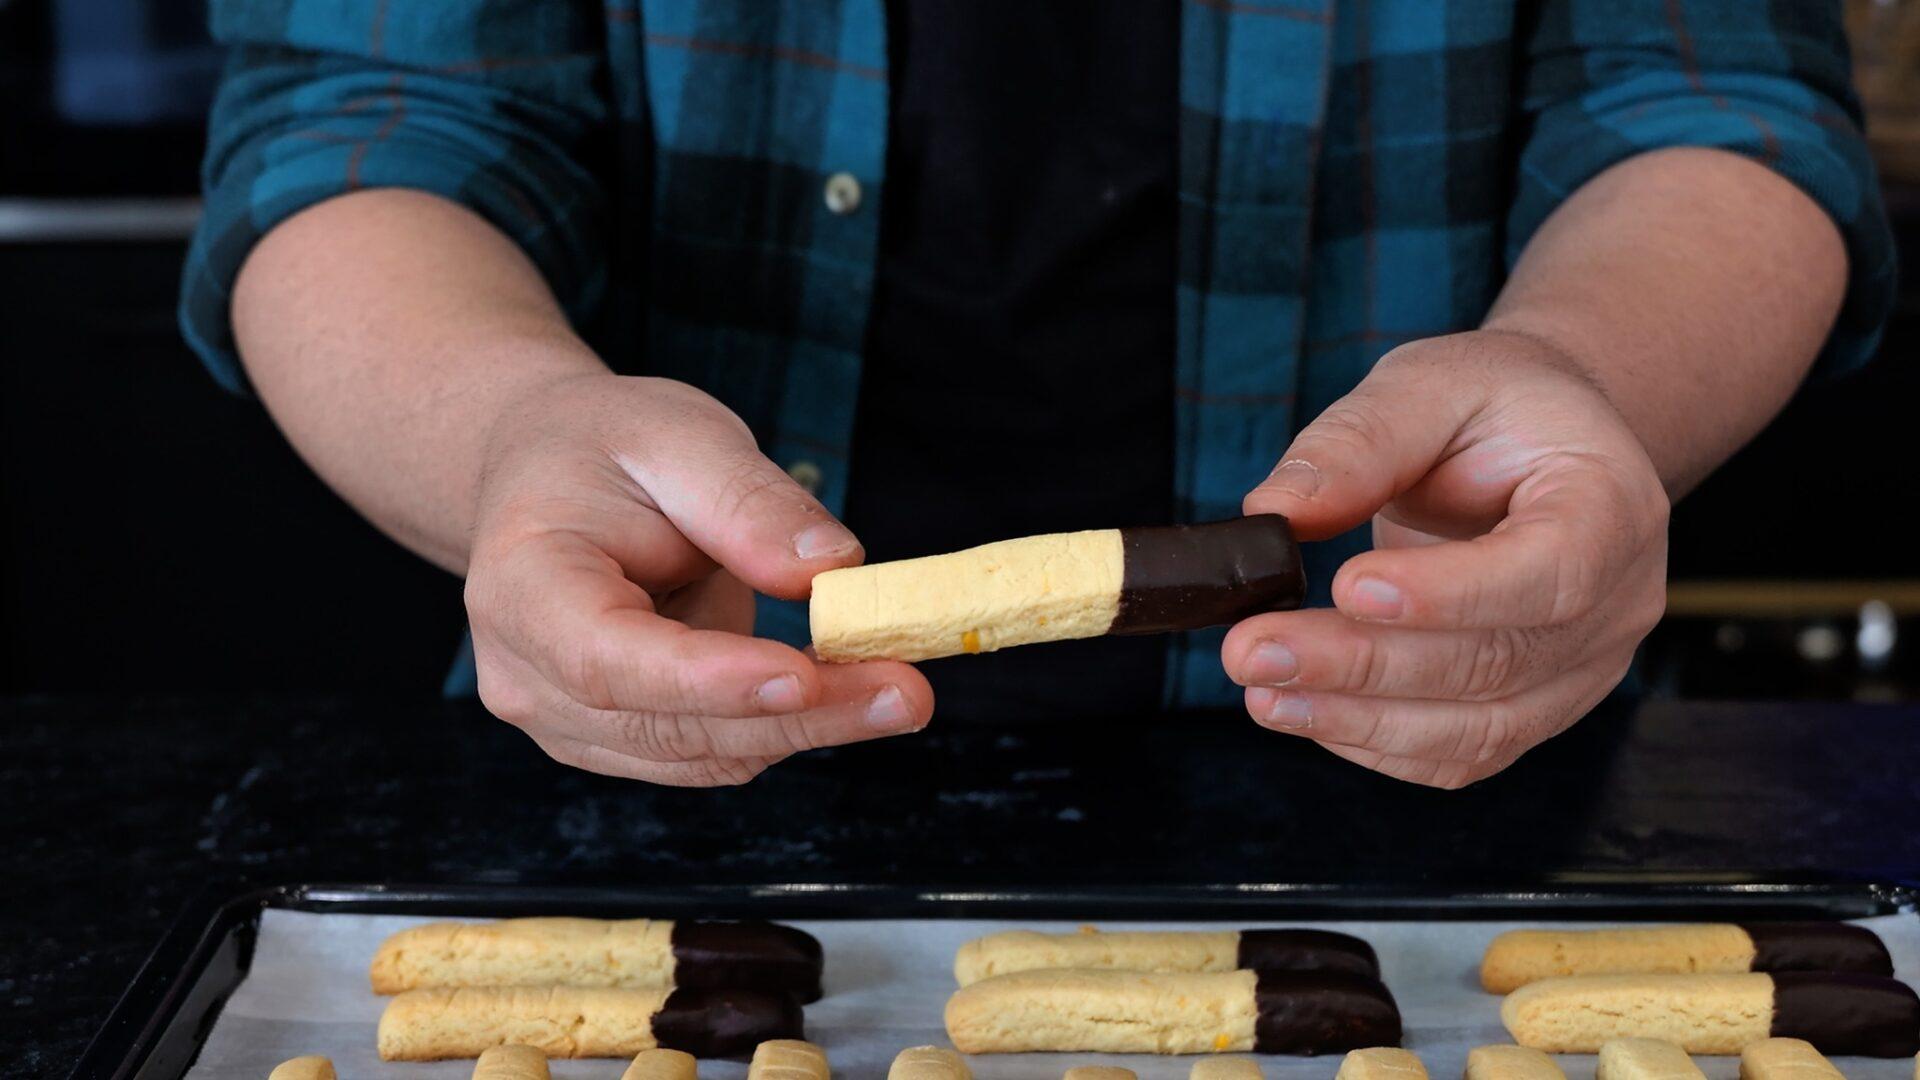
x,y
747,513
1367,447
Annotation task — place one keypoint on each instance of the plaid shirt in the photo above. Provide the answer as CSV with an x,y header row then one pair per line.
x,y
1353,174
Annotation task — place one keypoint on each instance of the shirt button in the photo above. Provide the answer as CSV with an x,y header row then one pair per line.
x,y
807,475
843,193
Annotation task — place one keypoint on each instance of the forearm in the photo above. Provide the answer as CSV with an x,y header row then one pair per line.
x,y
1695,287
386,331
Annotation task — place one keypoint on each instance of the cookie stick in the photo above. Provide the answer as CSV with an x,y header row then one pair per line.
x,y
928,1063
310,1067
1506,1062
1126,1012
788,1059
1518,957
1839,1012
660,1063
1785,1059
637,953
1381,1063
1164,950
512,1062
1099,1072
1225,1068
1056,587
1645,1059
576,1022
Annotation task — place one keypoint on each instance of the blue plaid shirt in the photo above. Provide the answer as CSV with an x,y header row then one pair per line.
x,y
1353,174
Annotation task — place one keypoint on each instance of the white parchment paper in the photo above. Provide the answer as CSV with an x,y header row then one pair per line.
x,y
887,982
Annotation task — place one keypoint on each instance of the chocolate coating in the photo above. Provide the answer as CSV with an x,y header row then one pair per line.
x,y
1845,1012
1184,577
1817,946
725,1022
1306,950
761,955
1319,1012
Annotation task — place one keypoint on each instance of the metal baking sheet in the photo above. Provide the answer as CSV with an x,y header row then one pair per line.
x,y
295,963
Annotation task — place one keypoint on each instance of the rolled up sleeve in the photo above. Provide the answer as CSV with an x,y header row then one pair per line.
x,y
1607,80
494,104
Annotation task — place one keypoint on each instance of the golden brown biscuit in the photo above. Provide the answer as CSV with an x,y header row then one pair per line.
x,y
1164,951
1099,1072
575,1022
1055,587
928,1063
660,1063
788,1059
511,1063
1504,1062
1225,1068
311,1067
1645,1059
1125,1012
1785,1059
639,954
1839,1012
1518,957
1381,1063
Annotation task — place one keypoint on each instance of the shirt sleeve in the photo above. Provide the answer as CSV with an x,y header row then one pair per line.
x,y
1607,80
495,104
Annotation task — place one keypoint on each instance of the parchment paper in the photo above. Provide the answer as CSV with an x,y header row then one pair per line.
x,y
887,982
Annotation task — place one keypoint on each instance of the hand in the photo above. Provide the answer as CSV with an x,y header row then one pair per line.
x,y
1520,536
622,526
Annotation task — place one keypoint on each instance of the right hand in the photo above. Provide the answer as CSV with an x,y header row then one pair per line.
x,y
622,527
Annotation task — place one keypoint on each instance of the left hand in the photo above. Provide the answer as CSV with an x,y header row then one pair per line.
x,y
1520,535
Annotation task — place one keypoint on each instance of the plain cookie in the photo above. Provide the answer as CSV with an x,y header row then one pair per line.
x,y
928,1063
1645,1059
1381,1063
310,1067
1504,1062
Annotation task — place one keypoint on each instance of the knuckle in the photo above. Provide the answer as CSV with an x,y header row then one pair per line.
x,y
1369,668
663,737
1352,423
504,696
1495,665
743,483
1576,584
727,772
583,670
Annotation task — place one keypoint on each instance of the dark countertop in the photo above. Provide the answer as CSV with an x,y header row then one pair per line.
x,y
118,811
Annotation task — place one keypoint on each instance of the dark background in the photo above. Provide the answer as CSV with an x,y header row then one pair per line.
x,y
159,534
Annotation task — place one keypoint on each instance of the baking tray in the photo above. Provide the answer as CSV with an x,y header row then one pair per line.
x,y
159,1025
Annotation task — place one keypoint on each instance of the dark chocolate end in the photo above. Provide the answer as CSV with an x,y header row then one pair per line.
x,y
1320,1012
1306,950
1817,946
1845,1012
761,955
727,1022
1184,577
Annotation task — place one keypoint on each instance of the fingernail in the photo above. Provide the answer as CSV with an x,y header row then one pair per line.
x,y
780,694
1297,478
1272,664
888,711
822,540
1290,710
1373,598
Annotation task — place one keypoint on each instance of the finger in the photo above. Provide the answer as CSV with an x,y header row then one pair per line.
x,y
717,488
718,601
1449,775
863,701
1433,730
708,772
1369,446
1575,529
1324,650
564,606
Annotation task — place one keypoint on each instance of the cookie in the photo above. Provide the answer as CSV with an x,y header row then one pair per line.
x,y
311,1067
1839,1012
1518,957
660,1063
1785,1059
788,1059
1125,1012
928,1063
1225,1068
511,1063
576,1022
1645,1059
1056,587
1099,1072
1381,1063
1165,951
1504,1062
631,953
